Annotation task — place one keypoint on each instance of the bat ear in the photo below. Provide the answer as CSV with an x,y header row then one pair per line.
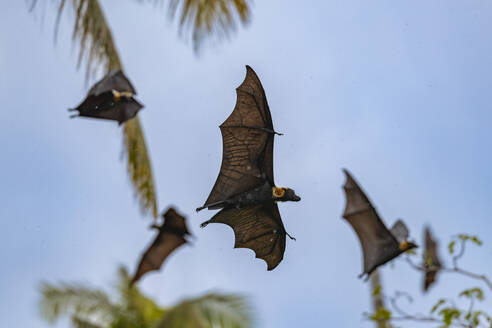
x,y
278,192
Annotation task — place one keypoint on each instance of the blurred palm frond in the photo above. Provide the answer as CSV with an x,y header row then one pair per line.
x,y
201,19
208,311
92,308
82,323
85,305
138,166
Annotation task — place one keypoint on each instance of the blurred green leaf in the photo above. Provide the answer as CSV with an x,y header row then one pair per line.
x,y
476,293
449,314
437,305
381,314
451,247
376,291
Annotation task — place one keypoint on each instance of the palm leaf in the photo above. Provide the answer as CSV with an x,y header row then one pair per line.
x,y
83,304
207,18
210,311
138,165
93,35
83,323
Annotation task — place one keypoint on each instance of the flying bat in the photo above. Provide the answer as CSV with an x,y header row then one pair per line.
x,y
379,245
112,98
432,264
245,188
171,236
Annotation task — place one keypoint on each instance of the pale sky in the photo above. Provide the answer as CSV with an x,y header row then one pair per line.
x,y
395,91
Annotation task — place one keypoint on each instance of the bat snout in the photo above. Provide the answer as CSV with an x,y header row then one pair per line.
x,y
291,195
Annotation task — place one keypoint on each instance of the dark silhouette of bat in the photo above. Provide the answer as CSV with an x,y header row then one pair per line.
x,y
111,98
245,188
432,264
171,236
379,245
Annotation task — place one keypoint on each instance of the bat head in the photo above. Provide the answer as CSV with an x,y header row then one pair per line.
x,y
284,195
175,222
407,245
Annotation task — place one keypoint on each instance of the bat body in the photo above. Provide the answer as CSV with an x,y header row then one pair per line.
x,y
112,98
379,245
432,264
245,188
171,236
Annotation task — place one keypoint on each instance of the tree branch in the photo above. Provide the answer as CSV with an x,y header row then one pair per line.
x,y
454,269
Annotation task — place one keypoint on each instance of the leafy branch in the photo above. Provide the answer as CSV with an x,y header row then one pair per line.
x,y
445,312
461,240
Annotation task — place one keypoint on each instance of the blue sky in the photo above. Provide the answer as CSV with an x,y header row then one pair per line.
x,y
397,92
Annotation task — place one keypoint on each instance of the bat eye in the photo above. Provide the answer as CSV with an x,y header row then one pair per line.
x,y
278,192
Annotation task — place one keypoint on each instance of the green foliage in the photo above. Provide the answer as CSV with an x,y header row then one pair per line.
x,y
437,305
376,291
139,167
445,312
381,314
91,308
85,305
473,293
209,311
91,31
473,239
451,247
448,314
204,18
464,238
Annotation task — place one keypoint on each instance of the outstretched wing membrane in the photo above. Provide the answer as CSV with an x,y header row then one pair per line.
x,y
378,244
247,140
258,228
171,236
432,263
114,80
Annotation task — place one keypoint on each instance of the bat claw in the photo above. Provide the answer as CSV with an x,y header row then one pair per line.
x,y
204,224
198,209
366,278
292,238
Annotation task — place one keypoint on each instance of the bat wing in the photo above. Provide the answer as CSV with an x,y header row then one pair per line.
x,y
114,80
175,222
247,140
103,106
432,264
378,244
400,231
165,243
258,228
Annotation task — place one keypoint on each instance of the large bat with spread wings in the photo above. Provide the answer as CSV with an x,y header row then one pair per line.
x,y
171,236
379,245
432,263
245,188
111,98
